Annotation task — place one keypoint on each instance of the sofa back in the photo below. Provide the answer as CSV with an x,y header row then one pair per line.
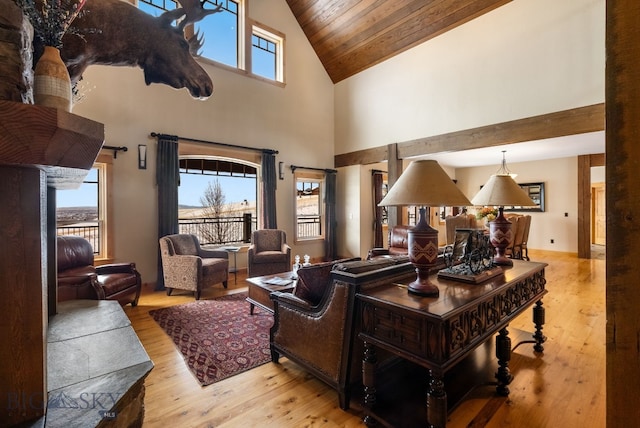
x,y
73,251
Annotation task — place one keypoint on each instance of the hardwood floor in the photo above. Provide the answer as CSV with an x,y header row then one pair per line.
x,y
563,387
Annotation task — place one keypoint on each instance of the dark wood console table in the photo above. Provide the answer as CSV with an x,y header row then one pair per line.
x,y
437,333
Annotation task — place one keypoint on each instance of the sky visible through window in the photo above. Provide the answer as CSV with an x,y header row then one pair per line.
x,y
236,189
192,187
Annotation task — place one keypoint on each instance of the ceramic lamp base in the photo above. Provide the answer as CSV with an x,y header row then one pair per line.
x,y
501,236
423,254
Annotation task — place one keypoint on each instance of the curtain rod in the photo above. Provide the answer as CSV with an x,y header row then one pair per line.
x,y
193,140
294,167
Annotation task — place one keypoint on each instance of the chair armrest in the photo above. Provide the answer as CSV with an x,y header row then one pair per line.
x,y
210,254
116,268
375,252
77,279
192,262
286,248
81,281
288,299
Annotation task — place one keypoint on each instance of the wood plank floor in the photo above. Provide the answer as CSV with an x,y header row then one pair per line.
x,y
563,387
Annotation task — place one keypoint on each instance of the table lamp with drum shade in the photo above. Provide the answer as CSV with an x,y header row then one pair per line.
x,y
424,183
499,191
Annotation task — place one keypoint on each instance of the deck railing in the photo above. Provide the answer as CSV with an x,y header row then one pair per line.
x,y
210,231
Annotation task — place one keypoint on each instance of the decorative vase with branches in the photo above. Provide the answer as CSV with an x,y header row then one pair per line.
x,y
51,20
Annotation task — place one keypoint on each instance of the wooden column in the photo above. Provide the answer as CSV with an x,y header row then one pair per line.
x,y
394,166
623,211
23,261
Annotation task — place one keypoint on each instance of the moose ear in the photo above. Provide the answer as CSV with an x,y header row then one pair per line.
x,y
167,18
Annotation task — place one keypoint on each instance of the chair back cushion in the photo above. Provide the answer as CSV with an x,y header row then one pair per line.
x,y
398,237
312,282
73,252
268,240
184,244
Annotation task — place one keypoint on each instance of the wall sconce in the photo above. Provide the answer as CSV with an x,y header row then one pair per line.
x,y
281,170
142,156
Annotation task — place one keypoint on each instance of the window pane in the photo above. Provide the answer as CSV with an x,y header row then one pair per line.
x,y
78,211
220,31
217,207
263,58
308,209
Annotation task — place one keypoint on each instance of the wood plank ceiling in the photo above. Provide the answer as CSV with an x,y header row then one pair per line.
x,y
350,36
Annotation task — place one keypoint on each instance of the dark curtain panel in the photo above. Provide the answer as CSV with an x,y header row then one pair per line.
x,y
378,179
269,184
168,180
331,225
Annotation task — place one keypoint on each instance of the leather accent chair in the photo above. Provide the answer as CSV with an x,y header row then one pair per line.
x,y
268,253
187,266
398,243
78,278
316,325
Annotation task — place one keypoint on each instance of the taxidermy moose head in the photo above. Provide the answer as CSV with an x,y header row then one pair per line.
x,y
117,33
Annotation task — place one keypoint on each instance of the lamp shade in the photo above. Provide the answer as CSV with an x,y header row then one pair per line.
x,y
502,190
424,183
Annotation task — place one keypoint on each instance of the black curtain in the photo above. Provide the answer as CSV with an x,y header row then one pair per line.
x,y
378,179
168,180
269,184
331,225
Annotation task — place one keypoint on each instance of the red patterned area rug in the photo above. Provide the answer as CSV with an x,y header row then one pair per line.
x,y
218,338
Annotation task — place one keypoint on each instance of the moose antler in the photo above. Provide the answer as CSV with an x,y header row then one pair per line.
x,y
194,11
196,41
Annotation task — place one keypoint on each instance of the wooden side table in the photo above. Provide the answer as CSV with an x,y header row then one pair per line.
x,y
234,269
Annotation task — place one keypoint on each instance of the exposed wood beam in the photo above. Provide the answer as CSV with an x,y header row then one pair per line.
x,y
558,124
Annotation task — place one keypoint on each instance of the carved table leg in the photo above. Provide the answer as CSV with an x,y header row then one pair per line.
x,y
368,374
503,352
538,320
436,402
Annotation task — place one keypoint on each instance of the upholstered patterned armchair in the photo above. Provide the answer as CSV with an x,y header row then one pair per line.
x,y
187,266
268,253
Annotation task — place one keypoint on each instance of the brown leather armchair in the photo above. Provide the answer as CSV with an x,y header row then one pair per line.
x,y
398,243
188,266
315,326
268,253
78,278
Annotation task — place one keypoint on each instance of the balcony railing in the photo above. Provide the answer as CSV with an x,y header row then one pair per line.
x,y
219,231
309,226
88,230
210,231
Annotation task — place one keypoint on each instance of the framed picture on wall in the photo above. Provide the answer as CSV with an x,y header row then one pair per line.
x,y
536,193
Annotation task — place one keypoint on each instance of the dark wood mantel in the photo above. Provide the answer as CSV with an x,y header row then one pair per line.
x,y
62,144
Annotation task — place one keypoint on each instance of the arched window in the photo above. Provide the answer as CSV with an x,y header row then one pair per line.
x,y
217,198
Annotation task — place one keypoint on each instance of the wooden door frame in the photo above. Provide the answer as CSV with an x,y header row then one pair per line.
x,y
585,162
